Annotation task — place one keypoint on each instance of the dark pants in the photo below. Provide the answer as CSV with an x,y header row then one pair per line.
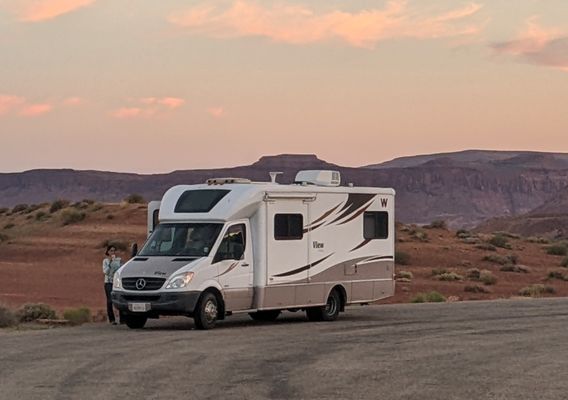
x,y
110,311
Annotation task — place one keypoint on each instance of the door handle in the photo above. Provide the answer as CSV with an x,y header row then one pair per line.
x,y
245,264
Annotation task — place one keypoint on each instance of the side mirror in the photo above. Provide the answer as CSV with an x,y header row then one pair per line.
x,y
134,250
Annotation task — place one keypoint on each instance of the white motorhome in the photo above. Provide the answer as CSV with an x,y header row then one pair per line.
x,y
232,245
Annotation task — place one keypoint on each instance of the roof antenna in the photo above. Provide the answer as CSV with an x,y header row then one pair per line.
x,y
274,175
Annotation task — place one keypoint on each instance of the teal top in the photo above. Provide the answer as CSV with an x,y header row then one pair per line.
x,y
110,268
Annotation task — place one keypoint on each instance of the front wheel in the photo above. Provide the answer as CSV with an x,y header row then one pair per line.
x,y
134,321
329,312
206,312
266,315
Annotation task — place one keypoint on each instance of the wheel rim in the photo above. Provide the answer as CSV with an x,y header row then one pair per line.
x,y
210,311
331,305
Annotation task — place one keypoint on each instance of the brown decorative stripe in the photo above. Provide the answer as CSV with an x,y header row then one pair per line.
x,y
325,215
354,202
361,211
304,268
231,267
380,258
363,243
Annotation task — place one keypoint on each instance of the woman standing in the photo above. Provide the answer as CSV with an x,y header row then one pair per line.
x,y
111,264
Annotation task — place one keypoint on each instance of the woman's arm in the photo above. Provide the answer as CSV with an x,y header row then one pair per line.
x,y
106,266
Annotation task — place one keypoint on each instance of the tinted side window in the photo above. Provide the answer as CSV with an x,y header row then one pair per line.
x,y
288,226
199,201
376,225
232,246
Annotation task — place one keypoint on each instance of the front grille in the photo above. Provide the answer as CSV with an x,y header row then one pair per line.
x,y
140,298
149,283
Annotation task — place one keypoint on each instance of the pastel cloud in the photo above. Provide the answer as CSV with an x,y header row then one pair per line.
x,y
41,10
73,101
20,106
538,45
299,24
148,107
216,112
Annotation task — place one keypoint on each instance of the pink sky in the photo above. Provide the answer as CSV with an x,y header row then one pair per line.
x,y
159,86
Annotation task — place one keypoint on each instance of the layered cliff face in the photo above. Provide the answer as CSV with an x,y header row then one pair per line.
x,y
463,188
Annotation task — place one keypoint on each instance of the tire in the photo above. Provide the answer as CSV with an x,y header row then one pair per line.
x,y
134,321
267,315
206,312
329,312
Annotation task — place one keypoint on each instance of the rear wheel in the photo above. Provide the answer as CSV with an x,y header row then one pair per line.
x,y
134,321
206,312
267,315
329,312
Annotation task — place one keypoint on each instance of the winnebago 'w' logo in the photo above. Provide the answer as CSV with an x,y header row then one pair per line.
x,y
384,202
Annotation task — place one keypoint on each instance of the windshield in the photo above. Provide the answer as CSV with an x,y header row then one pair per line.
x,y
191,240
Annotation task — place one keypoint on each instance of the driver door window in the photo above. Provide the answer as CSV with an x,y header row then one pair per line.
x,y
232,246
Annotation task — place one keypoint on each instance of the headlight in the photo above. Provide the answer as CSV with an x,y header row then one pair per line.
x,y
116,282
180,281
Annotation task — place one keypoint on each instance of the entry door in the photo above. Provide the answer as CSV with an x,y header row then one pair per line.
x,y
234,265
287,242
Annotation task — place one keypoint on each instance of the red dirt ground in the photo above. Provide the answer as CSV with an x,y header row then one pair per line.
x,y
61,265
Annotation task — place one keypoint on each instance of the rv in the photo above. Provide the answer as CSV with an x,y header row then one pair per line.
x,y
236,246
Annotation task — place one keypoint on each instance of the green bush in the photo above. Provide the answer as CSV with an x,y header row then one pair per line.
x,y
72,216
449,277
58,205
32,312
476,289
557,250
19,208
7,317
536,290
77,316
41,216
500,241
134,199
9,225
430,297
401,258
487,277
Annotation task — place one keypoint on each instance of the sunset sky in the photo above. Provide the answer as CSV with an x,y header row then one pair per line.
x,y
154,86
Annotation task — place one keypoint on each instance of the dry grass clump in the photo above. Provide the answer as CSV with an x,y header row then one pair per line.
x,y
536,290
418,234
72,216
9,225
7,317
501,241
439,271
502,260
430,297
77,316
473,274
58,205
404,276
4,238
19,208
476,289
564,263
33,312
487,277
449,277
41,216
537,239
560,275
486,247
515,268
401,258
4,210
135,199
559,249
437,224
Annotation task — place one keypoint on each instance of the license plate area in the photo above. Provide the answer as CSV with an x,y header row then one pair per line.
x,y
139,307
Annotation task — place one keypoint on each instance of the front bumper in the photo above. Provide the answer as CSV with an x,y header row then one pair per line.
x,y
177,303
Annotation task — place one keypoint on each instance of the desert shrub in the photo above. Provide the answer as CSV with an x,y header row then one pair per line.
x,y
118,244
4,237
463,233
9,225
476,289
41,216
537,239
557,250
508,235
564,263
404,275
80,205
77,316
32,208
473,274
97,207
72,216
496,259
19,208
449,277
418,234
110,217
4,210
536,290
401,258
439,271
486,247
430,297
513,258
134,199
500,241
487,277
7,317
515,268
58,205
32,312
561,275
88,201
437,224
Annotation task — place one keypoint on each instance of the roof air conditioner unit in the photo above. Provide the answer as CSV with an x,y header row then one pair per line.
x,y
319,177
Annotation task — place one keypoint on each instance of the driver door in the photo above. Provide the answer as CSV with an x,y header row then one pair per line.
x,y
233,260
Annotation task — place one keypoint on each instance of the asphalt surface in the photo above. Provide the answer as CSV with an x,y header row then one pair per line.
x,y
476,350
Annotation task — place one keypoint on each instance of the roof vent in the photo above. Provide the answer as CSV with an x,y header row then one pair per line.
x,y
223,181
319,178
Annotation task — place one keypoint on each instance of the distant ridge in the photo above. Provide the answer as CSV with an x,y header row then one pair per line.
x,y
463,188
